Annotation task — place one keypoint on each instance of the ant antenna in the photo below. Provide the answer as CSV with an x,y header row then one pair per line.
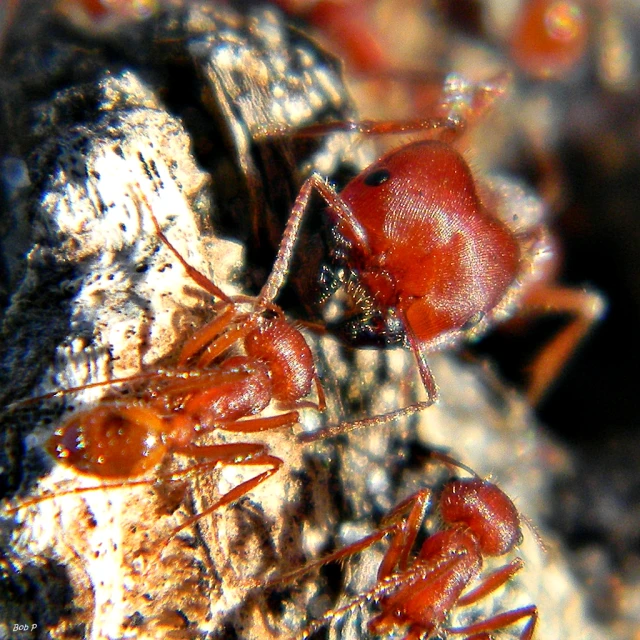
x,y
448,460
206,283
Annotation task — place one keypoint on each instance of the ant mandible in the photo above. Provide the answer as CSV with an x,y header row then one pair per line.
x,y
430,256
421,590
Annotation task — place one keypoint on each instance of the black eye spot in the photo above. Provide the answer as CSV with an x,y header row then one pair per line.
x,y
377,177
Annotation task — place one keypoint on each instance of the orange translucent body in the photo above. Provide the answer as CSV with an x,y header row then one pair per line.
x,y
120,440
550,37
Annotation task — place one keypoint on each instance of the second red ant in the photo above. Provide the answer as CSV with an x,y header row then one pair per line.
x,y
419,590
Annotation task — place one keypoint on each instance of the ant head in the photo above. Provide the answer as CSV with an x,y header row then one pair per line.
x,y
117,441
428,246
423,176
285,352
486,510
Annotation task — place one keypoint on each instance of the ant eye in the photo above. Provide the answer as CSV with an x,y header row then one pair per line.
x,y
376,178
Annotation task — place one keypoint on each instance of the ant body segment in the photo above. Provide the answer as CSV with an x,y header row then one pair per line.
x,y
420,589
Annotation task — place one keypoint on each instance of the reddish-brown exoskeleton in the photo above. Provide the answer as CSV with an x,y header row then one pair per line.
x,y
207,390
550,37
430,256
420,589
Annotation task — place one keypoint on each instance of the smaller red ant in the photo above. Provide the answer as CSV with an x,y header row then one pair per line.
x,y
208,390
126,439
421,590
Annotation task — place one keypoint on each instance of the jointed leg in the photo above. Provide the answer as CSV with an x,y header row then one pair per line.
x,y
501,621
281,266
266,423
243,488
345,427
462,103
586,307
199,278
206,334
492,582
397,555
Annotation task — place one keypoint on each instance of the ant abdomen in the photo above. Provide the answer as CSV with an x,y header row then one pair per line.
x,y
111,441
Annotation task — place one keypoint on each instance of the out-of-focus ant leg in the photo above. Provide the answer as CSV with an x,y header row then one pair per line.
x,y
459,106
586,307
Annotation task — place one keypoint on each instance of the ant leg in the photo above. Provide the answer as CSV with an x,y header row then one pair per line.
x,y
586,307
124,484
216,454
430,386
336,556
205,335
260,424
462,103
221,344
492,582
263,460
282,263
59,393
398,553
446,129
345,427
381,623
403,528
501,621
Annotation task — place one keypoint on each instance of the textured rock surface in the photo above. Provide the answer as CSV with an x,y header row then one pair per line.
x,y
93,295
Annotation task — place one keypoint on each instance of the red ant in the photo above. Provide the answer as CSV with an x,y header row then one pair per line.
x,y
429,256
421,590
123,440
